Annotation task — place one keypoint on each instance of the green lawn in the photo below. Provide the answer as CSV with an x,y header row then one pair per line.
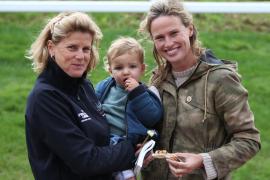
x,y
243,38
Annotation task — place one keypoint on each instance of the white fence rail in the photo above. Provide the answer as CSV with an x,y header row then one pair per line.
x,y
130,6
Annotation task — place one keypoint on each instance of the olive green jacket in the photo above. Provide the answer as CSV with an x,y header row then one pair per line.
x,y
209,113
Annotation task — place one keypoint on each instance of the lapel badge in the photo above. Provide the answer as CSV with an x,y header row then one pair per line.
x,y
189,99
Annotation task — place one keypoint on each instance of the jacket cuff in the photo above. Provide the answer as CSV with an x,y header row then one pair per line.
x,y
210,170
136,92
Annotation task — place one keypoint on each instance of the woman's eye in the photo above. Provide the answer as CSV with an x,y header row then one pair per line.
x,y
86,50
159,38
174,33
71,48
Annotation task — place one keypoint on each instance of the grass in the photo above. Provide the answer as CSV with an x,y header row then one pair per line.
x,y
243,38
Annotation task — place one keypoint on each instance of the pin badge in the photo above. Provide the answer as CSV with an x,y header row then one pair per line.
x,y
189,98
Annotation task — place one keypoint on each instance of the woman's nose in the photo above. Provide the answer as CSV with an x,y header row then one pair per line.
x,y
168,42
79,54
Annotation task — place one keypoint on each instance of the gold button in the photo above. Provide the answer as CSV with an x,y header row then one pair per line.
x,y
189,98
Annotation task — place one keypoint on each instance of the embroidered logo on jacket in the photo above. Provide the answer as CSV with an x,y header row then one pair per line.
x,y
83,116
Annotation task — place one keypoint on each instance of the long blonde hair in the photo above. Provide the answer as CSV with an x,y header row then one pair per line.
x,y
168,8
57,29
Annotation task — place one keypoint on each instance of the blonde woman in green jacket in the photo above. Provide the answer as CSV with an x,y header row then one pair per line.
x,y
207,120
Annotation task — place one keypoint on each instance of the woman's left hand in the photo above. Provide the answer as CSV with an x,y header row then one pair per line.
x,y
185,163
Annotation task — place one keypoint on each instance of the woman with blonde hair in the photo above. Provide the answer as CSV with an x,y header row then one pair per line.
x,y
66,130
207,122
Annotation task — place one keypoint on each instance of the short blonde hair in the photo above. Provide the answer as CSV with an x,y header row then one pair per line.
x,y
122,46
169,8
59,28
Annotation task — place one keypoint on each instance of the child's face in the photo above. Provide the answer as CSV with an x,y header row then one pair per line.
x,y
126,66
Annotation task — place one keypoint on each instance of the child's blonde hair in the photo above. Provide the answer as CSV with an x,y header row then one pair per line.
x,y
122,46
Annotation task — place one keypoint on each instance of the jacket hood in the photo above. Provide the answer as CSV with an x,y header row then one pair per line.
x,y
208,62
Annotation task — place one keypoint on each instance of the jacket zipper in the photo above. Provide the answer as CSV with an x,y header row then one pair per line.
x,y
80,101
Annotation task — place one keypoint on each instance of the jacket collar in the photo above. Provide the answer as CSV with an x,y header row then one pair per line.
x,y
55,76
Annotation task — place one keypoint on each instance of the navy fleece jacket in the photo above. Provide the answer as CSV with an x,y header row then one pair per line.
x,y
66,131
